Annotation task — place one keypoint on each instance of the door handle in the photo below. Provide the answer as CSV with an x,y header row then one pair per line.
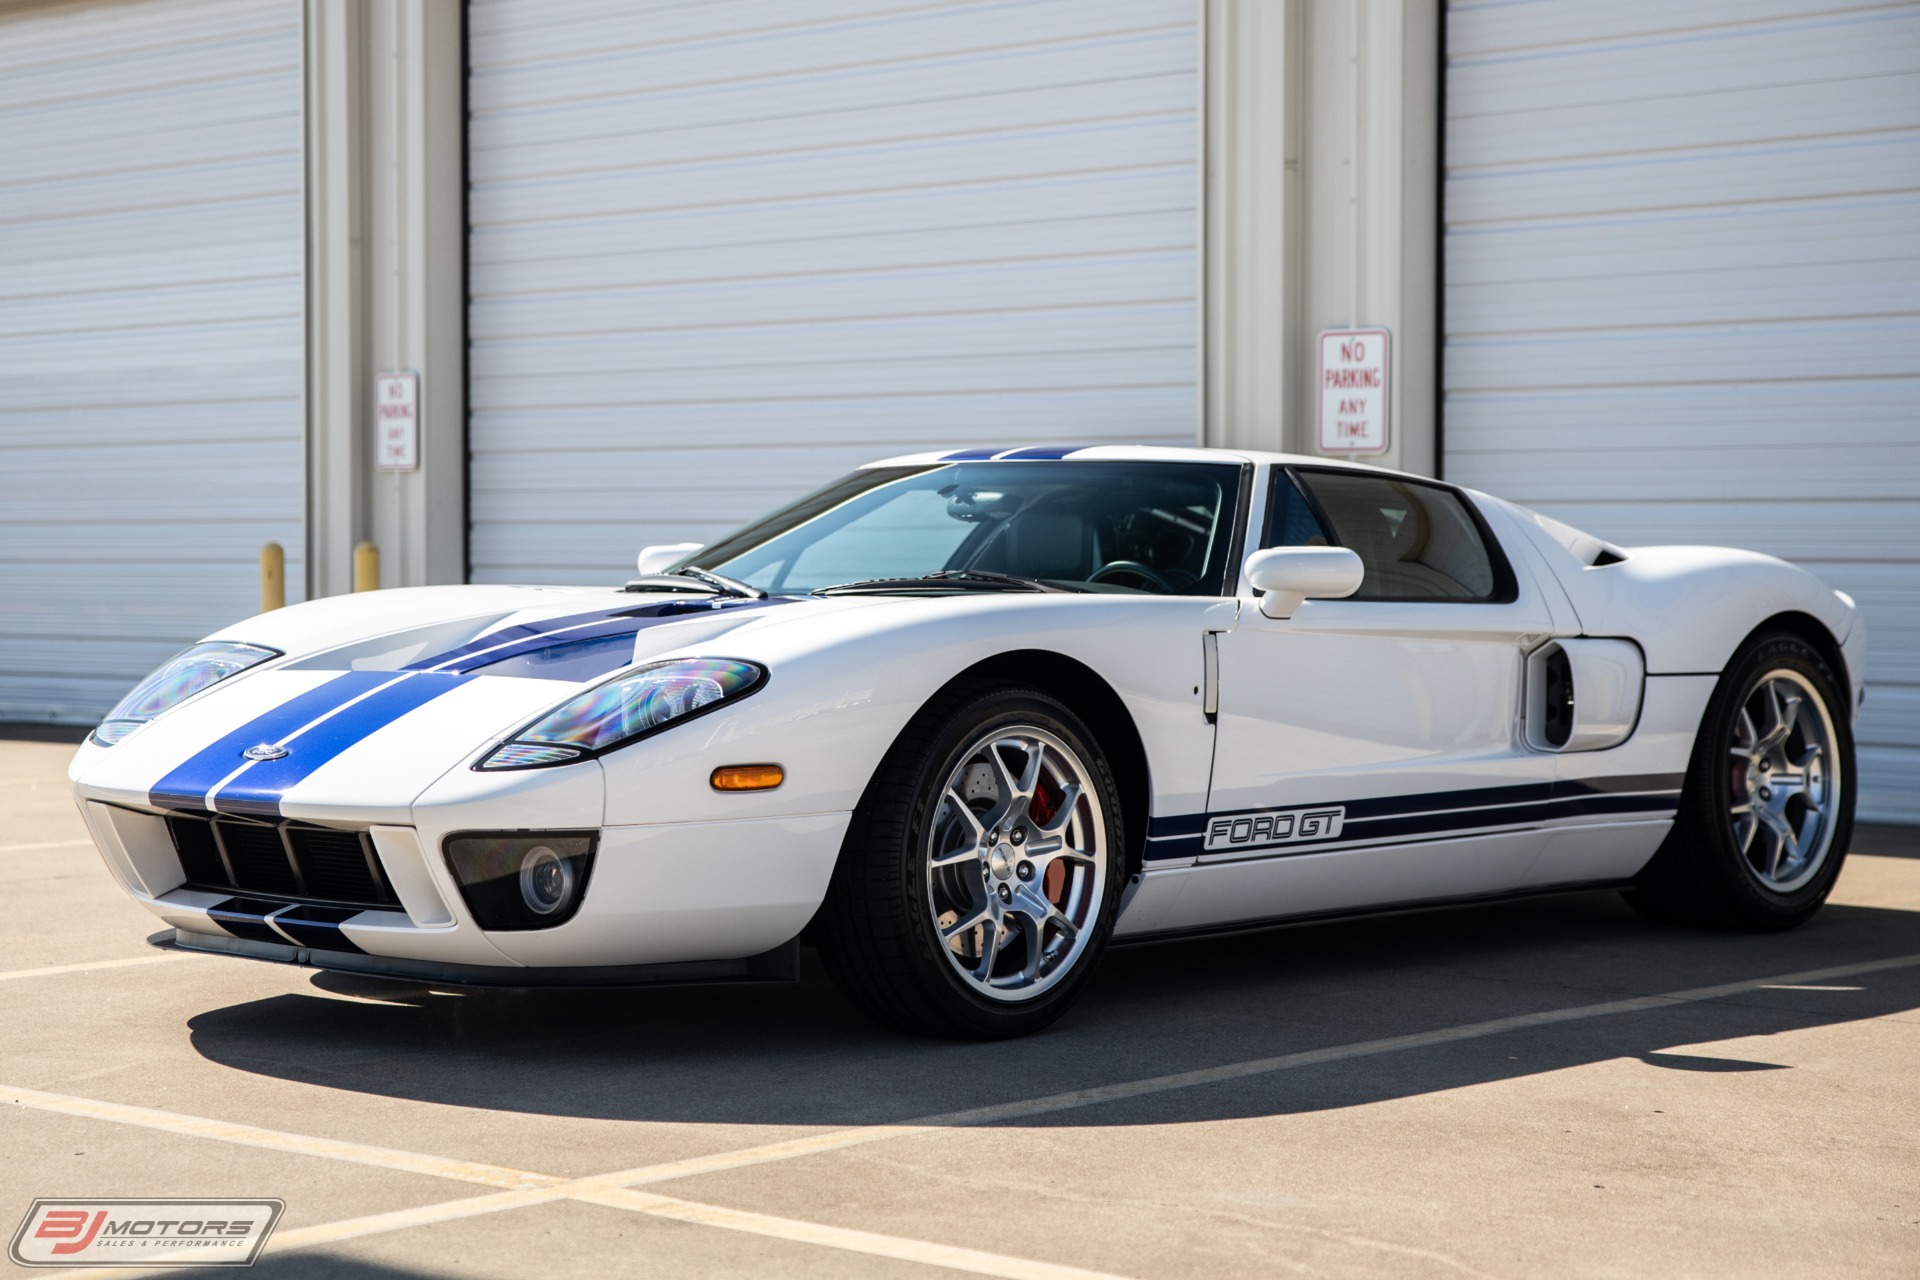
x,y
1210,660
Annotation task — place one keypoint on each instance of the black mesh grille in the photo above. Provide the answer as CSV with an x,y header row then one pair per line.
x,y
335,864
193,839
259,858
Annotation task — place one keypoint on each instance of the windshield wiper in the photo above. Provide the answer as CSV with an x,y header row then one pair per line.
x,y
949,579
696,579
1005,579
720,582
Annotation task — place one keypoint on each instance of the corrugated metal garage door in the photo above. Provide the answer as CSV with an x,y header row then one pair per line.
x,y
1683,293
723,252
151,369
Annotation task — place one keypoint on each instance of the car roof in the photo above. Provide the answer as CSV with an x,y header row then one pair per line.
x,y
1125,453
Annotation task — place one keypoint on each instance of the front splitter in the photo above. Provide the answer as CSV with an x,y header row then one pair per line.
x,y
782,964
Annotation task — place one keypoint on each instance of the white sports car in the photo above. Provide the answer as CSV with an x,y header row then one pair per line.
x,y
962,719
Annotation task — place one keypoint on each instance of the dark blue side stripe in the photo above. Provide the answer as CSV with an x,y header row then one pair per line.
x,y
187,785
259,790
1440,813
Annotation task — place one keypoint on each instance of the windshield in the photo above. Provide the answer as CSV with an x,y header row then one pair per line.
x,y
1156,527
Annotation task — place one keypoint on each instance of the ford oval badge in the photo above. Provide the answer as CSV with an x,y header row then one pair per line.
x,y
265,751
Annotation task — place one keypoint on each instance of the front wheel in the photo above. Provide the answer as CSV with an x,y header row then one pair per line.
x,y
978,883
1767,812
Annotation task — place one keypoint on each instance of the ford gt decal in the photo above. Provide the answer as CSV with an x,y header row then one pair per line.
x,y
1255,830
1433,816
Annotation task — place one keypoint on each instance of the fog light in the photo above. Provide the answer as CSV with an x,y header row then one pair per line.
x,y
521,880
546,882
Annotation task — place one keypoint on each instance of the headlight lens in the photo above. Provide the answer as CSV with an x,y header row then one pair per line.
x,y
626,708
183,676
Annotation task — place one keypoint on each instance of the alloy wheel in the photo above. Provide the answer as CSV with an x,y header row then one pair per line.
x,y
1017,862
1784,781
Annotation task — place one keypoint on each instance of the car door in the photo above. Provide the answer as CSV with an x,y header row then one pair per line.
x,y
1369,750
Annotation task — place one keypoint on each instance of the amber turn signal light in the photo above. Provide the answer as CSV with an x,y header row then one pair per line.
x,y
748,777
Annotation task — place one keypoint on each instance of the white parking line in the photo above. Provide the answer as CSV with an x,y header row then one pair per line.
x,y
848,1239
842,1138
43,844
353,1228
612,1189
247,1135
523,1188
14,975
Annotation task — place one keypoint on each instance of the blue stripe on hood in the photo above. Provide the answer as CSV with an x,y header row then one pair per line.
x,y
187,785
259,790
532,637
1043,452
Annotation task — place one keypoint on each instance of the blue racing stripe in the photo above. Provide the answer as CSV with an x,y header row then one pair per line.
x,y
971,455
246,918
1040,453
531,637
187,785
319,927
627,622
261,920
540,630
259,790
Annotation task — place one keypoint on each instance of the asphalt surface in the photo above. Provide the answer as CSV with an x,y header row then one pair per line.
x,y
1480,1092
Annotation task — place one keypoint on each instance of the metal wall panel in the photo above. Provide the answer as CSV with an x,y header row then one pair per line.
x,y
721,253
151,365
1682,254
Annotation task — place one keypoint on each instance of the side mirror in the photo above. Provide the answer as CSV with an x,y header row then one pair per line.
x,y
656,558
1288,575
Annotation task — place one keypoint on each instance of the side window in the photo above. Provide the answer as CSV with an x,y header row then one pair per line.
x,y
1418,541
1290,521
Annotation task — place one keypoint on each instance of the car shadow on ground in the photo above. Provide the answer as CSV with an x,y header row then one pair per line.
x,y
799,1054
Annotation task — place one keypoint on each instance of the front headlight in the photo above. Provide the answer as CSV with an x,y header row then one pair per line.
x,y
182,677
624,709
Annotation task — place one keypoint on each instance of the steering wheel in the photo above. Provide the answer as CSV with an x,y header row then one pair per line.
x,y
1133,569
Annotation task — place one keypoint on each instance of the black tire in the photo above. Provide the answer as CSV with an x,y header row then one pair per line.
x,y
1708,871
878,930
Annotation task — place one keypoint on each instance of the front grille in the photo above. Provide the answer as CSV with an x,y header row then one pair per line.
x,y
289,860
336,865
258,857
199,855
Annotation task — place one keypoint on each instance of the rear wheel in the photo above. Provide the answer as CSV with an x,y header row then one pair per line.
x,y
977,886
1767,812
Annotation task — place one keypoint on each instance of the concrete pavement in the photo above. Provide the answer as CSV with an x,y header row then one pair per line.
x,y
1482,1092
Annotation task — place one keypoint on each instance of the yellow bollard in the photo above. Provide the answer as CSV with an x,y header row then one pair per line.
x,y
366,567
273,578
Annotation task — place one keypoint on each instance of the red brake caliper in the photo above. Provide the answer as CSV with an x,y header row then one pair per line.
x,y
1046,803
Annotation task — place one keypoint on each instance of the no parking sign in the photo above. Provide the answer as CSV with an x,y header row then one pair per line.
x,y
1352,385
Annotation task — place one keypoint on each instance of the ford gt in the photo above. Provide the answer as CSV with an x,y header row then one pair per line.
x,y
963,719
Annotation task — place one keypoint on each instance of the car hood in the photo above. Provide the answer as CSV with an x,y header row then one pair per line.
x,y
377,698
